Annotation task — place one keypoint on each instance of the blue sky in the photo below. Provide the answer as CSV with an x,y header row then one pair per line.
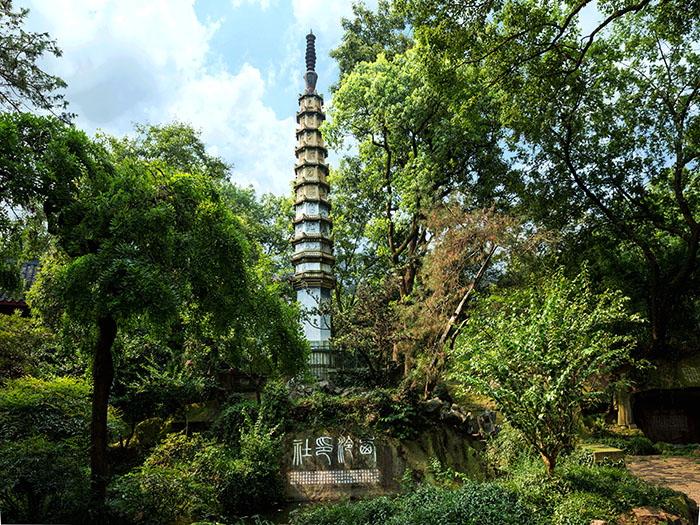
x,y
232,68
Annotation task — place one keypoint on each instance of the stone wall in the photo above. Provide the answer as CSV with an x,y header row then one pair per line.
x,y
330,464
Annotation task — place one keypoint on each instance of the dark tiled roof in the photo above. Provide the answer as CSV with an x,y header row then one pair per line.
x,y
28,271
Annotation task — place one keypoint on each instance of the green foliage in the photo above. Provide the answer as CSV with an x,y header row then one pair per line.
x,y
236,414
25,85
193,478
31,148
674,449
276,405
176,145
606,127
399,413
472,504
56,408
23,345
267,221
506,450
542,353
44,435
633,446
160,392
581,493
43,481
178,480
368,35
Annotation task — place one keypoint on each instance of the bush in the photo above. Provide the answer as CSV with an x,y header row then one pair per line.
x,y
43,481
276,406
506,449
22,345
194,478
580,508
367,512
44,436
472,504
603,491
57,408
228,426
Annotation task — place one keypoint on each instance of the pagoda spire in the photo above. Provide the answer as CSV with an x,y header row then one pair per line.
x,y
313,258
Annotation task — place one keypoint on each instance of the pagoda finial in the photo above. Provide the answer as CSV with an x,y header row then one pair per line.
x,y
310,76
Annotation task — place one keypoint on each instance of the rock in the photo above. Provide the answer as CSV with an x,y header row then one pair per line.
x,y
650,516
150,431
453,417
486,422
433,406
603,453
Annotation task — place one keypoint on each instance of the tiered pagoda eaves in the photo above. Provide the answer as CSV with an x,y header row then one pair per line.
x,y
313,258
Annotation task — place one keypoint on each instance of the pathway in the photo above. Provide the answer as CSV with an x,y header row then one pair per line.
x,y
680,473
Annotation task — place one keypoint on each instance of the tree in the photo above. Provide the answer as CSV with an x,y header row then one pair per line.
x,y
415,149
469,250
543,352
144,243
23,85
370,34
31,147
607,125
177,145
268,224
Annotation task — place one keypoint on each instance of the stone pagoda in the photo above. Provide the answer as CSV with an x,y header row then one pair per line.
x,y
313,258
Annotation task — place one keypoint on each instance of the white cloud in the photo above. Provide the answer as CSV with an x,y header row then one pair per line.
x,y
136,61
324,16
264,4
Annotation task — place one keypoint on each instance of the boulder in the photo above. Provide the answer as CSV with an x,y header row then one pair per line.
x,y
433,406
650,516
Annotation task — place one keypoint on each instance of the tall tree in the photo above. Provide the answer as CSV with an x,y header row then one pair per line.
x,y
177,145
414,150
23,84
608,125
369,34
141,243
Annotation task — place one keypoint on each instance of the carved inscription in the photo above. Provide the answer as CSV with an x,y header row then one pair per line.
x,y
334,477
328,460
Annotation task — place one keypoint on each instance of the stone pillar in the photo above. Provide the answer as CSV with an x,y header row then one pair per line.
x,y
313,258
623,403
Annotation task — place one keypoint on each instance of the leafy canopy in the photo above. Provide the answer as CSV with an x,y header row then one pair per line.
x,y
23,84
542,353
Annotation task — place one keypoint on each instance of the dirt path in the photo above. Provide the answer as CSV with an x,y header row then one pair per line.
x,y
676,472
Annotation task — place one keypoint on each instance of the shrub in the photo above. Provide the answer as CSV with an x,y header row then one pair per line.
x,y
22,345
367,512
506,449
57,408
580,508
232,420
44,433
255,479
472,504
42,481
194,478
179,480
276,406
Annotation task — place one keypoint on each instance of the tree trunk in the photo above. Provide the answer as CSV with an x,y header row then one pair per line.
x,y
659,322
102,374
549,462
